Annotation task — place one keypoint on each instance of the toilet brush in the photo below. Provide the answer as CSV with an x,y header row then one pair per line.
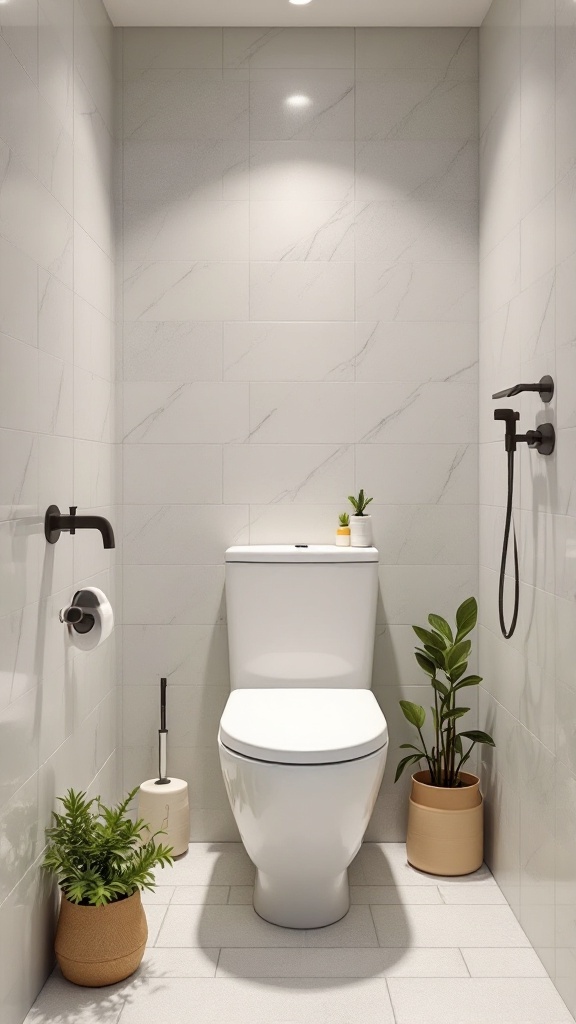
x,y
162,737
163,802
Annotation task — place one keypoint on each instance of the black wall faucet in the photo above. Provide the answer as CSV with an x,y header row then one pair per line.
x,y
55,524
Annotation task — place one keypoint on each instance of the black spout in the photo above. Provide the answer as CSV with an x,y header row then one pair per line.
x,y
55,524
544,387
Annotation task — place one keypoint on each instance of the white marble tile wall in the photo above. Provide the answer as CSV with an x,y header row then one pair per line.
x,y
528,328
57,366
300,320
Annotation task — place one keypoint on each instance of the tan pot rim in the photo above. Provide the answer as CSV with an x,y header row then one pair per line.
x,y
446,810
103,906
468,779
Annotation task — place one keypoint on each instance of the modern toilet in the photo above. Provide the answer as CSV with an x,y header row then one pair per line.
x,y
302,740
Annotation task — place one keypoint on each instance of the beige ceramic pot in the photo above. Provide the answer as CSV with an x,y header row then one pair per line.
x,y
343,536
101,945
445,826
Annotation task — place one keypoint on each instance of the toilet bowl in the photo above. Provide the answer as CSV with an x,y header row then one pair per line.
x,y
302,769
302,740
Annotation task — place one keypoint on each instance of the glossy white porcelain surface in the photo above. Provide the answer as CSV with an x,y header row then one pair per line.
x,y
301,624
303,726
311,553
302,759
302,825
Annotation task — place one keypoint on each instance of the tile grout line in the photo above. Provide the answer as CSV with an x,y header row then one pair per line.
x,y
153,946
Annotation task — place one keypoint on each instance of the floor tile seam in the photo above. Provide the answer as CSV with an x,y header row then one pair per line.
x,y
372,918
391,1001
161,925
464,961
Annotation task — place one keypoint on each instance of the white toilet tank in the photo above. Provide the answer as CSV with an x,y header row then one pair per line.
x,y
301,615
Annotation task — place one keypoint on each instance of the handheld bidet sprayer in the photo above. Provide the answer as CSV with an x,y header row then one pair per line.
x,y
543,440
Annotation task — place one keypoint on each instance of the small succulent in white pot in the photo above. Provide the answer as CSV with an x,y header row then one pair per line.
x,y
360,523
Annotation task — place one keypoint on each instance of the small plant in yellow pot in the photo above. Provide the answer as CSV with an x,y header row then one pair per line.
x,y
445,816
343,531
101,862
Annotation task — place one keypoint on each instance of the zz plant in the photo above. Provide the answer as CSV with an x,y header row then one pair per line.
x,y
360,503
444,652
98,854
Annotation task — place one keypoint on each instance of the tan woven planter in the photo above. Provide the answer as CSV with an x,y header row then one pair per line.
x,y
101,945
445,826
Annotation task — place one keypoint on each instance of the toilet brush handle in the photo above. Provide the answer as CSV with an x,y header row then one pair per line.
x,y
162,745
163,703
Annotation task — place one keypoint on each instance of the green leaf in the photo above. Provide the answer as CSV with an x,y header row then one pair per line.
x,y
411,759
95,851
442,626
430,639
456,673
468,681
413,713
458,746
426,664
458,654
435,655
466,618
454,713
440,687
477,736
427,637
410,746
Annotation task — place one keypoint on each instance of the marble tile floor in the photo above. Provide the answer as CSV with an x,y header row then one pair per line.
x,y
413,949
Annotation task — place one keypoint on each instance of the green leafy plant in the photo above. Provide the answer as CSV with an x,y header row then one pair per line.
x,y
98,853
444,652
360,503
344,519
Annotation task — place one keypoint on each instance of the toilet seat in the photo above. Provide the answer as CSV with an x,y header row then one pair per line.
x,y
303,726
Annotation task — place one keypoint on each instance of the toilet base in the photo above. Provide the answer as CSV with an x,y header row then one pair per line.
x,y
300,903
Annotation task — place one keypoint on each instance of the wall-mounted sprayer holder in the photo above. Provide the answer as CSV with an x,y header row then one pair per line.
x,y
543,440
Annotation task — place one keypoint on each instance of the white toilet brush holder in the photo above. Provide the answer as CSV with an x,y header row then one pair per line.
x,y
163,803
165,808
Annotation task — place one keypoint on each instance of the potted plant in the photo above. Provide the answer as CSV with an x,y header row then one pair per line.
x,y
343,531
445,816
101,862
361,524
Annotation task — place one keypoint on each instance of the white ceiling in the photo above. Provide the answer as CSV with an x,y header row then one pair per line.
x,y
281,13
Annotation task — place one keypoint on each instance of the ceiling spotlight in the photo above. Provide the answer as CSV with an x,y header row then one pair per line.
x,y
300,2
298,100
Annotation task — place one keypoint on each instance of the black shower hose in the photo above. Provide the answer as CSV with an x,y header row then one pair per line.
x,y
509,522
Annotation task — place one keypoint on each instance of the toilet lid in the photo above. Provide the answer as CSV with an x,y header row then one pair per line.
x,y
301,726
